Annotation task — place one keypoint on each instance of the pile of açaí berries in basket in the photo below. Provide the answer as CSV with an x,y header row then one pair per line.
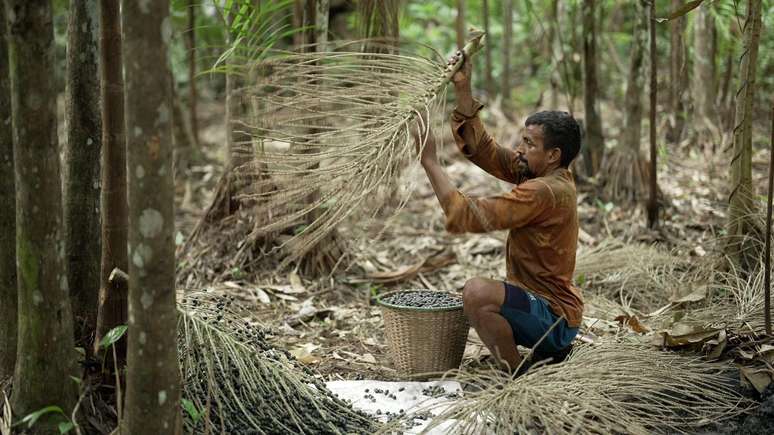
x,y
423,299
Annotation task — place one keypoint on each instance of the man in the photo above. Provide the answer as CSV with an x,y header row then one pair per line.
x,y
537,306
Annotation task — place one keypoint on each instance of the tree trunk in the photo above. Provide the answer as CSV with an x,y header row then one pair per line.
x,y
703,88
490,86
460,24
636,81
45,357
653,191
192,95
113,299
82,168
153,376
321,14
594,139
740,201
505,78
678,76
8,293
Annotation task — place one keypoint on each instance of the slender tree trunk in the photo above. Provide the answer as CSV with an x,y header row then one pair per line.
x,y
652,199
153,376
677,76
192,94
703,88
636,82
460,24
594,139
8,293
44,358
505,79
740,201
490,85
724,104
113,296
82,168
322,13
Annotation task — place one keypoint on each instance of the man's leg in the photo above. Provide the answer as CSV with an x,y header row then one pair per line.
x,y
482,299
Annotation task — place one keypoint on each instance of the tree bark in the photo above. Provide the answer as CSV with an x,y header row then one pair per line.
x,y
321,26
490,85
594,139
703,88
113,300
740,201
636,82
192,94
45,359
82,168
505,79
153,376
8,293
653,191
678,76
460,24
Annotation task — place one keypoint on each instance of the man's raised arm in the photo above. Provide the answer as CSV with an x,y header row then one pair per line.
x,y
471,137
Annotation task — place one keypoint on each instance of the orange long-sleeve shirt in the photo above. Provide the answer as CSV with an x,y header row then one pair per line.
x,y
540,214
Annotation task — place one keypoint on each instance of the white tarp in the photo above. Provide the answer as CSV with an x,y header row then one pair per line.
x,y
410,399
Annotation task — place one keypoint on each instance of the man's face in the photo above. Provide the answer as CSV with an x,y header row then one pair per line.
x,y
533,158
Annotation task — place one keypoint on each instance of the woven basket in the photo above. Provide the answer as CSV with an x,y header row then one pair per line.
x,y
424,340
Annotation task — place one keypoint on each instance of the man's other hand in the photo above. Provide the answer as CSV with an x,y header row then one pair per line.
x,y
419,132
462,77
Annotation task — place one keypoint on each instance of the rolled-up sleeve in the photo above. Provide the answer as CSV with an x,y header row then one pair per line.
x,y
480,148
517,208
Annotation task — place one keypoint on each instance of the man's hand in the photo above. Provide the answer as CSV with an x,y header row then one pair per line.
x,y
420,130
462,77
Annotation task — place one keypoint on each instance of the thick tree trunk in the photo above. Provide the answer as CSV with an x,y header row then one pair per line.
x,y
192,94
505,78
594,139
678,76
490,85
703,88
460,24
153,376
653,184
82,168
740,201
8,293
45,358
113,300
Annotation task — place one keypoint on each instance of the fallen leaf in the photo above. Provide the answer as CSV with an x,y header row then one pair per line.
x,y
695,296
368,358
286,297
758,378
304,353
633,323
683,334
295,283
262,296
425,265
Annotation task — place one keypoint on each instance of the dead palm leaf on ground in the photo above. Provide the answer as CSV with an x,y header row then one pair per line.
x,y
612,387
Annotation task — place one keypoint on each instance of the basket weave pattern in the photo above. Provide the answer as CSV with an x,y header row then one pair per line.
x,y
425,341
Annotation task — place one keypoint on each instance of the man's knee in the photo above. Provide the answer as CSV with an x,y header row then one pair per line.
x,y
478,294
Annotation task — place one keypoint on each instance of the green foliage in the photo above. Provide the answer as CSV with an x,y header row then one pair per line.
x,y
32,418
192,410
113,336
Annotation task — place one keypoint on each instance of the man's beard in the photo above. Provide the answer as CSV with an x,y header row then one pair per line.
x,y
525,171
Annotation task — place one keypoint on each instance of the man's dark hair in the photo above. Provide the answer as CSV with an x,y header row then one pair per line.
x,y
560,130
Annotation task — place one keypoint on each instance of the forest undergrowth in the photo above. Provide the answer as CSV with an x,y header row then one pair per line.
x,y
651,295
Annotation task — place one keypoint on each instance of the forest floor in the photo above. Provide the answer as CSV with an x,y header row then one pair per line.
x,y
332,325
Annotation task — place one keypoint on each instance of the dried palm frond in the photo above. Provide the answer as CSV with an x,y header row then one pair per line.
x,y
237,383
612,387
639,276
333,131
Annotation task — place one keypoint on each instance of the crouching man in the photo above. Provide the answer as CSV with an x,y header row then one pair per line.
x,y
537,306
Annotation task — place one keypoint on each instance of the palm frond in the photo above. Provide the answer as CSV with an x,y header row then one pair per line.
x,y
241,384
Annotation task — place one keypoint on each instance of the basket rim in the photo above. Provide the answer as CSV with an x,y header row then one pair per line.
x,y
384,304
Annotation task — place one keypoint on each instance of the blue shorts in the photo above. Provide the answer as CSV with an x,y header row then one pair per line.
x,y
530,317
